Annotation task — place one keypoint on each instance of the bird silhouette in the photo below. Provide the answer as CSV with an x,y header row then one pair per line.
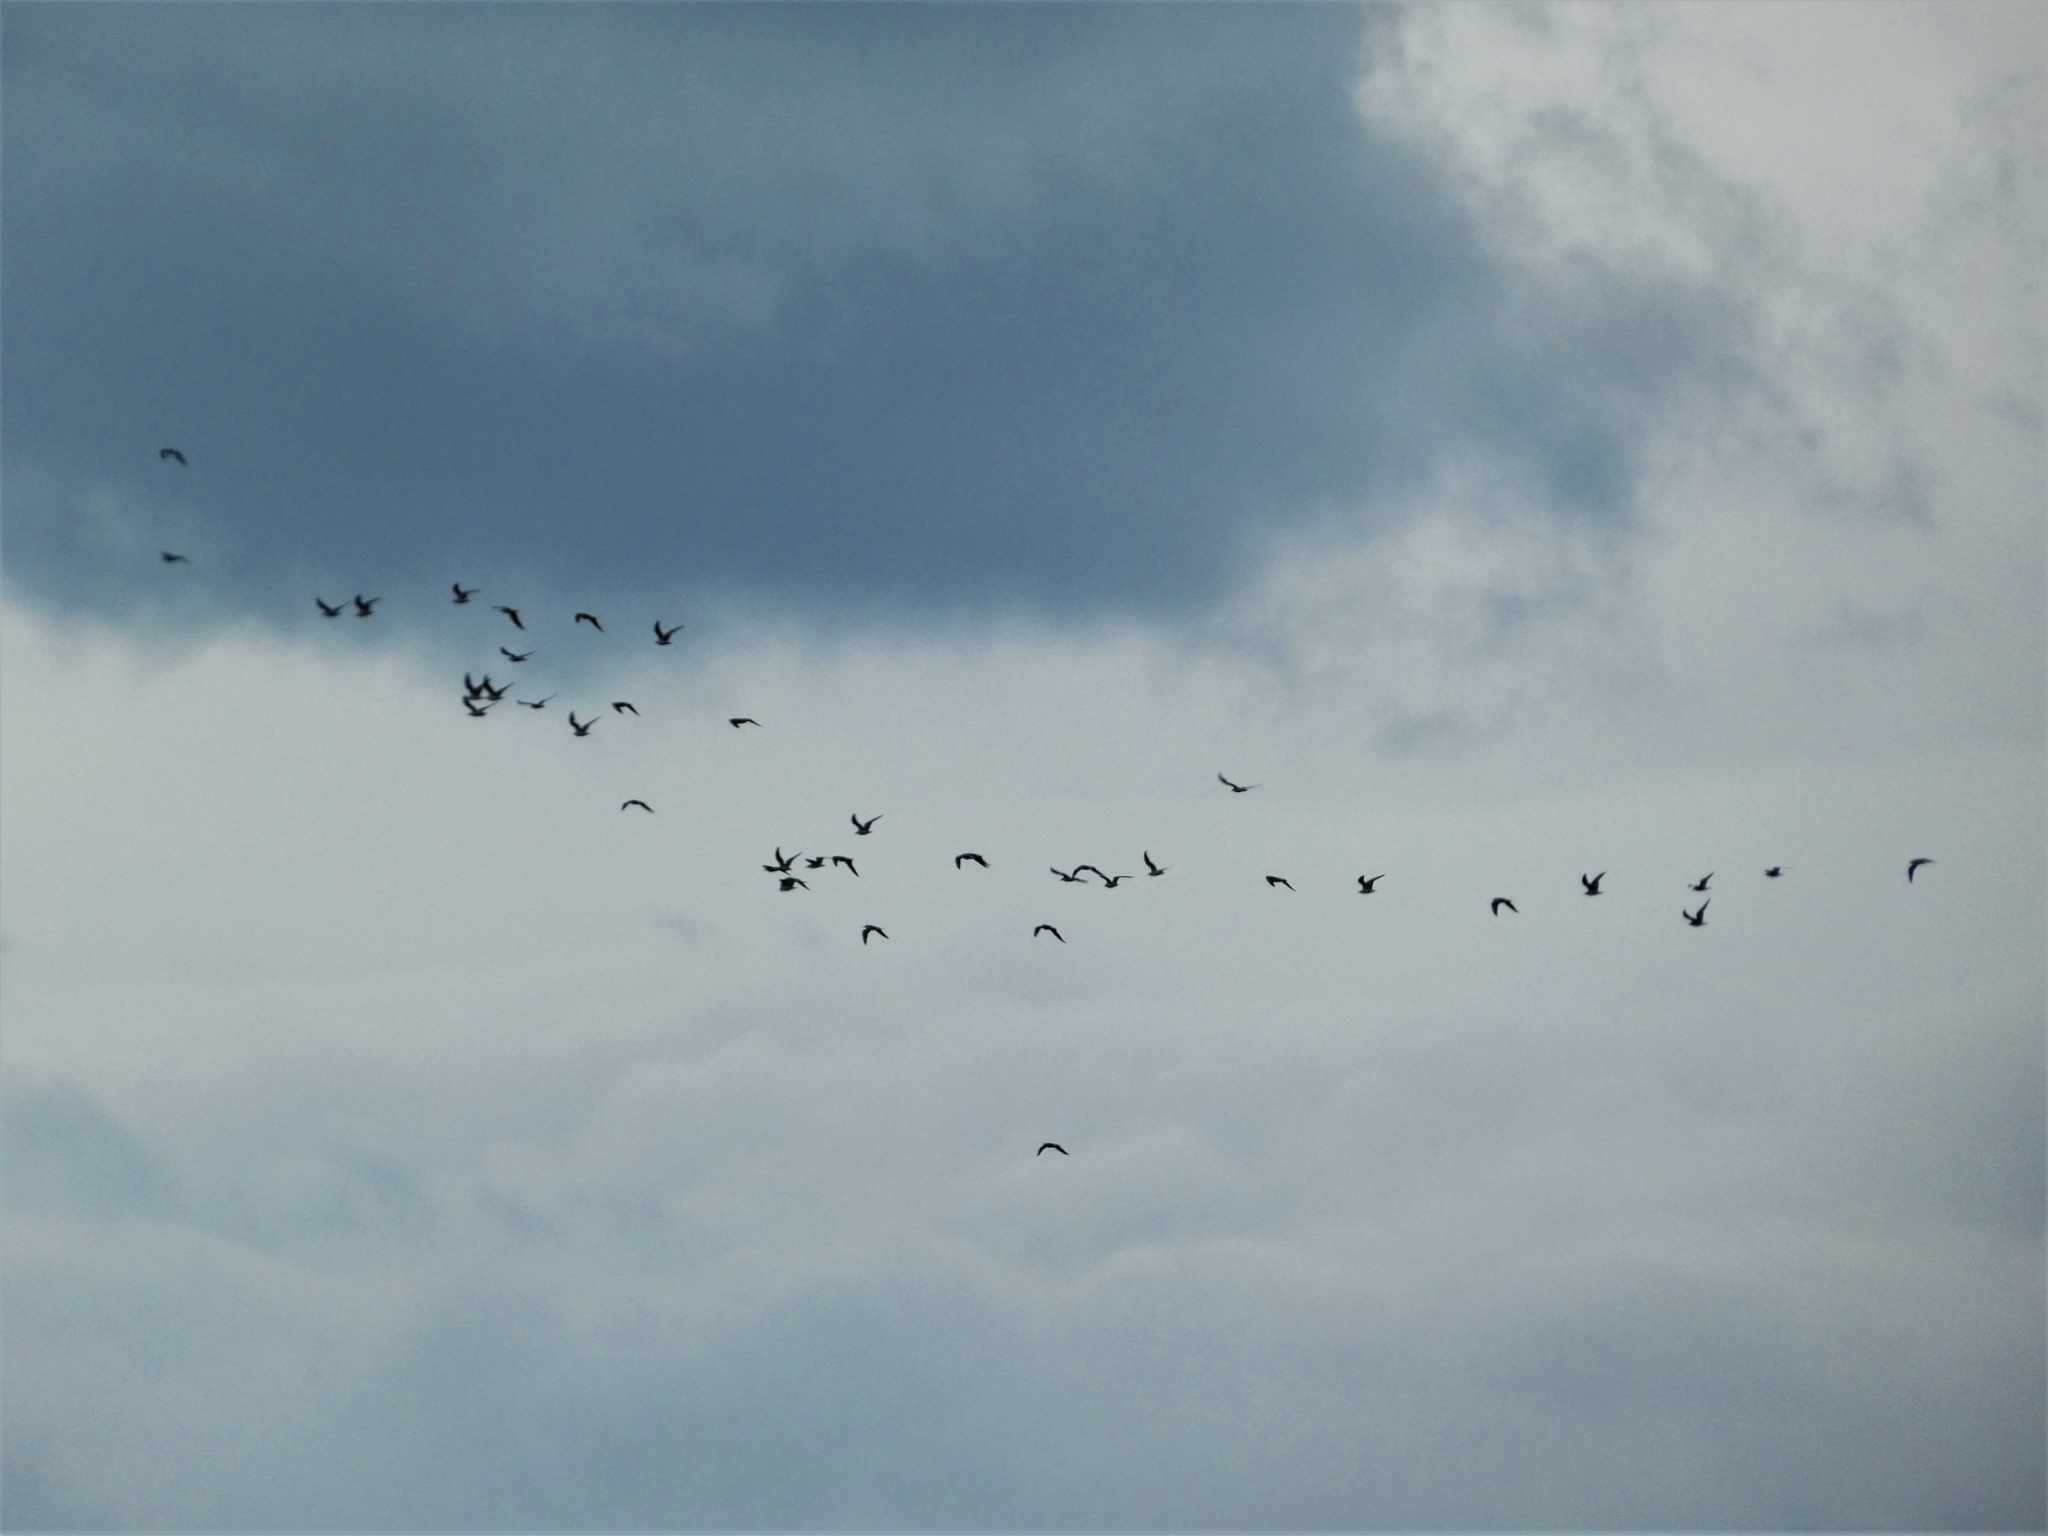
x,y
1272,880
840,858
1774,871
1366,887
817,863
1592,882
1700,884
1111,882
485,689
792,882
736,721
510,613
471,688
1048,928
172,559
476,711
1074,878
534,703
783,861
462,596
171,455
1502,901
620,706
628,804
580,727
1913,864
1150,867
863,828
866,931
510,655
1051,1146
328,610
590,619
664,636
967,858
365,604
1235,789
1697,919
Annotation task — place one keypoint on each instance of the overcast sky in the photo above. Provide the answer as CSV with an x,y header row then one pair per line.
x,y
1524,442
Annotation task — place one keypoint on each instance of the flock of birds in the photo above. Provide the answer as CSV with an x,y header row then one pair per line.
x,y
480,695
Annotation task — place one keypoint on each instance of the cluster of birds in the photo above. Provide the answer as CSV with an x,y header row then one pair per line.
x,y
480,695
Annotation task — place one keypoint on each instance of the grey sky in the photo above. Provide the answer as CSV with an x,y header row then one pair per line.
x,y
1524,441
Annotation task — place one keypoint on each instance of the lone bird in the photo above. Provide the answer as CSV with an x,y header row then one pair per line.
x,y
365,604
171,455
1913,864
791,882
626,805
840,858
1047,928
965,858
1366,887
1697,919
170,559
664,636
510,613
868,931
1502,901
736,721
1774,871
328,610
580,727
1700,885
476,711
1272,880
1074,878
1235,789
1051,1146
1592,882
621,707
534,703
863,828
1150,867
591,620
462,596
513,655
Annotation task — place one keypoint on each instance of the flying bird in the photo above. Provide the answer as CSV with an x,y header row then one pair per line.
x,y
1697,919
476,711
840,858
783,861
1151,868
1700,884
510,613
329,610
365,604
513,655
1074,878
863,828
534,703
470,688
866,931
485,689
1365,886
1235,789
591,620
629,804
620,706
817,863
170,455
1051,1146
1502,901
1913,864
791,882
460,595
964,858
736,721
1047,928
1774,871
1592,882
170,559
1111,882
1272,880
580,727
664,636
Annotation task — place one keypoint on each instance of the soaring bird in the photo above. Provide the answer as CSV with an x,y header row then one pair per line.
x,y
1272,880
462,596
510,613
1592,882
170,559
171,455
969,858
791,882
1502,901
1366,887
328,610
534,703
863,828
1051,1146
1913,864
476,711
1774,871
817,863
580,727
629,804
1697,919
664,636
1700,884
866,931
840,858
1235,789
1111,882
736,721
510,655
1150,867
1074,878
620,706
365,604
783,861
590,619
1047,928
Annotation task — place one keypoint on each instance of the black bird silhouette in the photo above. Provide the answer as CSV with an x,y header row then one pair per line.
x,y
664,636
817,863
485,689
1774,871
460,595
471,689
1701,883
1074,878
1697,919
171,455
620,706
863,828
626,804
1236,789
591,620
513,655
1365,886
783,861
1051,1146
580,727
736,721
365,604
1111,882
170,559
534,703
1913,864
791,882
1592,882
510,613
476,711
1502,901
869,929
1278,880
1091,870
840,858
1048,928
964,858
1151,868
328,610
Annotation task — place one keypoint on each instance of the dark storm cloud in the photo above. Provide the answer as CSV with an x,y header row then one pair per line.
x,y
1052,308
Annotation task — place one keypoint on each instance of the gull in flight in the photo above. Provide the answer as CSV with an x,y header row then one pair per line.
x,y
664,636
1697,919
591,620
1366,887
510,613
1235,789
863,828
869,930
1048,928
1592,882
1051,1146
1502,901
629,804
1913,864
460,595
